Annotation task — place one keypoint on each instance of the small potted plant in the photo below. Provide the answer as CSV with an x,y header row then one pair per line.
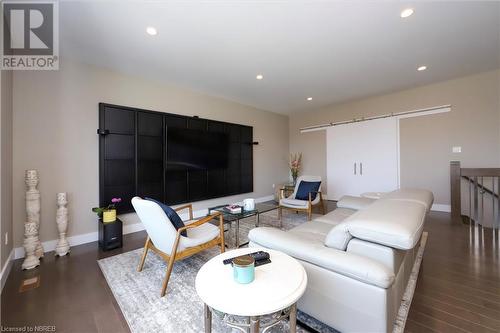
x,y
108,213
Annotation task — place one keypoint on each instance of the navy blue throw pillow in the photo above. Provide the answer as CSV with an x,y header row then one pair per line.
x,y
172,215
305,188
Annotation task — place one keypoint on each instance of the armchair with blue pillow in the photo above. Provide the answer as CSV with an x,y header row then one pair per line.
x,y
306,195
174,239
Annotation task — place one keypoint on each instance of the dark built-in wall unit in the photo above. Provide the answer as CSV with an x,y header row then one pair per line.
x,y
172,158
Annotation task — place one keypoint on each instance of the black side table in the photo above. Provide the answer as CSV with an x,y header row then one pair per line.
x,y
110,235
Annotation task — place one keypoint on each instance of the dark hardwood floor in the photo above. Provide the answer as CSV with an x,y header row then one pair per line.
x,y
458,288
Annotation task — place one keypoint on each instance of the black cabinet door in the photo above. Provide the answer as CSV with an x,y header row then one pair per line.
x,y
216,178
233,172
150,155
176,180
117,156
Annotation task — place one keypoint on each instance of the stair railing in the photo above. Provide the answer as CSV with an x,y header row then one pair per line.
x,y
481,187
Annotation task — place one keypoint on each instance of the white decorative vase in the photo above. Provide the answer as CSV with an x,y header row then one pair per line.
x,y
30,241
62,247
33,206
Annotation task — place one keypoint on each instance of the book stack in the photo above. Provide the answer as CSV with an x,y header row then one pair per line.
x,y
233,209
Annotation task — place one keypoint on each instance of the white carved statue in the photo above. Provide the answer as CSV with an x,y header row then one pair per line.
x,y
33,207
30,241
62,247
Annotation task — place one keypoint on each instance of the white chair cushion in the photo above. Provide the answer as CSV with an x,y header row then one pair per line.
x,y
294,203
199,235
156,222
335,216
356,203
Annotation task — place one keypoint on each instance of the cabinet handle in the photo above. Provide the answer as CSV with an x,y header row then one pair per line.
x,y
354,167
361,168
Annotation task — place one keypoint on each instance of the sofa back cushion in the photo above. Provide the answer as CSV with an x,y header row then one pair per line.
x,y
423,197
356,203
388,256
338,237
394,223
397,224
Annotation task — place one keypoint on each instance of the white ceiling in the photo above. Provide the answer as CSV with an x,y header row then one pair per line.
x,y
332,51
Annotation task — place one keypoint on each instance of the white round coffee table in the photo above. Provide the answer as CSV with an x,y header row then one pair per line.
x,y
276,289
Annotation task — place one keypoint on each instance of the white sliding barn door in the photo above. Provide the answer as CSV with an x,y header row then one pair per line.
x,y
362,157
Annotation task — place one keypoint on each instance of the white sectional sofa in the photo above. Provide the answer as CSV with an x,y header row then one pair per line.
x,y
358,258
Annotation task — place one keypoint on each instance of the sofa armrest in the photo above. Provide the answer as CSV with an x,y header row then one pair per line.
x,y
351,265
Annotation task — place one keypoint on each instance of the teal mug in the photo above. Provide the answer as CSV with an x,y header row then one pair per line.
x,y
243,269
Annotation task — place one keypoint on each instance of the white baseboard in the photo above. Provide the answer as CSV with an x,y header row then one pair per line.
x,y
6,269
264,199
127,229
441,208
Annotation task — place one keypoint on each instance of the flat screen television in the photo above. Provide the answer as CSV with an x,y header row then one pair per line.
x,y
190,149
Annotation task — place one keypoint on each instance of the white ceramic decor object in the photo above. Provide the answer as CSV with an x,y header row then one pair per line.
x,y
33,206
249,204
62,247
30,242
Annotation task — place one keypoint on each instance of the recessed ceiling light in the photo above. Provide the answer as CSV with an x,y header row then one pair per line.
x,y
309,98
407,12
259,77
422,68
151,31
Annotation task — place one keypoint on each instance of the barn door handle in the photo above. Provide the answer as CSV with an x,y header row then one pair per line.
x,y
102,131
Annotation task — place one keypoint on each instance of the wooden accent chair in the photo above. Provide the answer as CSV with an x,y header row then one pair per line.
x,y
168,242
298,205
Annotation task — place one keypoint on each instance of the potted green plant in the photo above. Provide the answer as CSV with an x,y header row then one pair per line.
x,y
108,213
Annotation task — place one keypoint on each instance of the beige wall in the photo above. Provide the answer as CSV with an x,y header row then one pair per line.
x,y
426,142
6,164
55,122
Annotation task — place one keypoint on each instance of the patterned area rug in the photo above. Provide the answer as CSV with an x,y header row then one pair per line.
x,y
138,293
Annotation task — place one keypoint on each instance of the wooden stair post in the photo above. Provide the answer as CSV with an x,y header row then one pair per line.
x,y
455,187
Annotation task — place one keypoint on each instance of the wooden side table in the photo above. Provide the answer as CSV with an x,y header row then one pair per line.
x,y
287,190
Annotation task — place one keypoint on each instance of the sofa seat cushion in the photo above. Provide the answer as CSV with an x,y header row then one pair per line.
x,y
356,203
312,231
348,264
395,223
335,216
294,203
423,197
